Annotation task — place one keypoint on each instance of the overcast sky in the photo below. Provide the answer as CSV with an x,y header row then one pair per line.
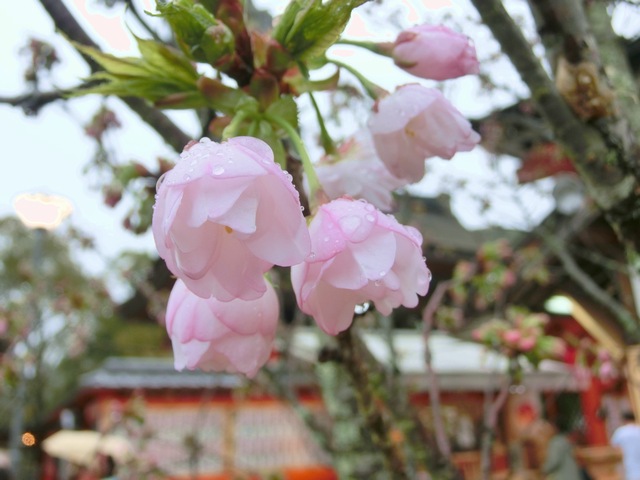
x,y
47,153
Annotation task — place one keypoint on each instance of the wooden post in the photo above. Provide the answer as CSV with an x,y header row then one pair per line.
x,y
633,377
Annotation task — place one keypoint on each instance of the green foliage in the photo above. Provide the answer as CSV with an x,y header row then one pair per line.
x,y
161,72
199,34
50,306
309,27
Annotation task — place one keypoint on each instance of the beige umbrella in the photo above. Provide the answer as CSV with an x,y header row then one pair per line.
x,y
82,446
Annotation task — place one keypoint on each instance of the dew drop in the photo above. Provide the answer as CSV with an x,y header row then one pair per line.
x,y
311,256
193,162
186,177
377,283
205,140
218,170
382,273
370,217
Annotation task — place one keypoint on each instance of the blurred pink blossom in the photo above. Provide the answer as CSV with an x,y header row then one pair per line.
x,y
224,215
435,52
526,344
235,336
415,123
511,337
357,171
358,254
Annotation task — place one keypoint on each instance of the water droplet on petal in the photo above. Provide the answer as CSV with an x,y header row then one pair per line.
x,y
311,256
218,170
377,283
370,217
382,274
186,177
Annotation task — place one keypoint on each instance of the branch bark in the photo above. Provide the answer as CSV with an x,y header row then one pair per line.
x,y
67,24
599,165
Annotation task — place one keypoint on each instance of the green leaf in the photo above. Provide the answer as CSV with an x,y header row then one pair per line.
x,y
267,134
285,108
300,84
220,96
160,72
309,27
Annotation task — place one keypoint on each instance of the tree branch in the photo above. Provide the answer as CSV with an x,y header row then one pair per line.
x,y
370,408
597,163
31,103
622,315
67,24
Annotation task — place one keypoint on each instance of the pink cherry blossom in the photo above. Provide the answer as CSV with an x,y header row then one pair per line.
x,y
208,334
357,171
224,215
415,123
526,344
358,254
511,337
435,52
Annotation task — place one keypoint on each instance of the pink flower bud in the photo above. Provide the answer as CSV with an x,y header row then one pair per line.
x,y
235,336
224,215
358,254
435,52
415,123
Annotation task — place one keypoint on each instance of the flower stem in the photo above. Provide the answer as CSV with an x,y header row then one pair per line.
x,y
310,172
327,142
232,129
381,48
373,90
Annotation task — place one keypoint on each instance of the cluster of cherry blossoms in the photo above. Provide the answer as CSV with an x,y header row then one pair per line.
x,y
228,212
521,334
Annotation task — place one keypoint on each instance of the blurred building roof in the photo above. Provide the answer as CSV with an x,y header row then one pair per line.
x,y
154,373
460,365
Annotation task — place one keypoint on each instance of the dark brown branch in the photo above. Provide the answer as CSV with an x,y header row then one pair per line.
x,y
67,24
31,103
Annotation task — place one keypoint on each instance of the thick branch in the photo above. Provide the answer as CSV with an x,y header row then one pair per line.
x,y
583,142
584,38
67,24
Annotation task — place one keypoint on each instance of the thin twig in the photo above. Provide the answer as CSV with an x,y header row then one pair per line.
x,y
428,316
